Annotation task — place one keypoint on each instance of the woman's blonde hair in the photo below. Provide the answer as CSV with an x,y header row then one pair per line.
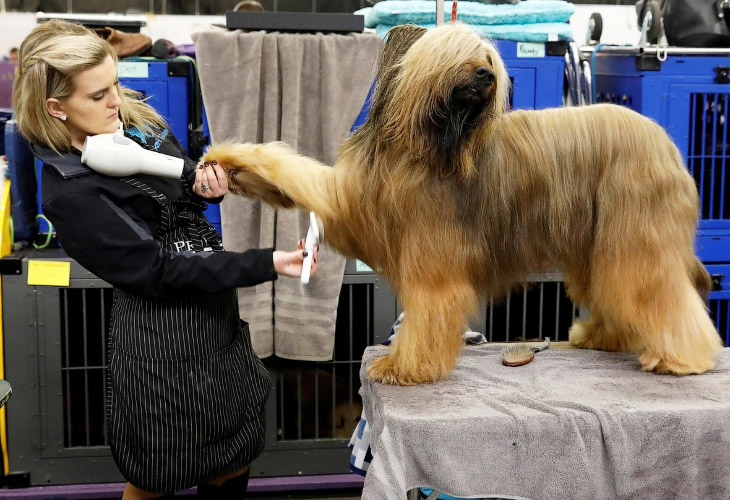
x,y
50,56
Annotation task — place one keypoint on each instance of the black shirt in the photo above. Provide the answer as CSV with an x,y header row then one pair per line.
x,y
107,226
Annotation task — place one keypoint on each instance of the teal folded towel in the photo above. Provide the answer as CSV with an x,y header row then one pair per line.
x,y
394,12
538,32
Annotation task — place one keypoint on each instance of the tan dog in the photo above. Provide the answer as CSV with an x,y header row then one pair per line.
x,y
453,199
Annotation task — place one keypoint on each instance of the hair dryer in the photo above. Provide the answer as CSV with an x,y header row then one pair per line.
x,y
118,156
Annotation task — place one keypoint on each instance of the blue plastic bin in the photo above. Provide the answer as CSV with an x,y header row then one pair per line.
x,y
165,90
537,81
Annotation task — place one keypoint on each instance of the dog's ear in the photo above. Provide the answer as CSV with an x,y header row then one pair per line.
x,y
397,42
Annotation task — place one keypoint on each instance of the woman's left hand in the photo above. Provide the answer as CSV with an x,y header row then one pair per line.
x,y
211,180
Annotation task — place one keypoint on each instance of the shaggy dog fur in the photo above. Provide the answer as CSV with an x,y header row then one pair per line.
x,y
454,200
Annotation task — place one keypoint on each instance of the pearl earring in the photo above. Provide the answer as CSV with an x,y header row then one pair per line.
x,y
63,118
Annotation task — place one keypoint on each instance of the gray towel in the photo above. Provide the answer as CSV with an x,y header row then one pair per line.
x,y
572,424
305,90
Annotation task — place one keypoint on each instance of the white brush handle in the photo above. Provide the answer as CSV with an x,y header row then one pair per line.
x,y
309,245
541,346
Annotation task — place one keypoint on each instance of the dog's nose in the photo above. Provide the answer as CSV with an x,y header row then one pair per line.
x,y
484,73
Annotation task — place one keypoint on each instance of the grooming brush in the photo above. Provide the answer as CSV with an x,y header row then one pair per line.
x,y
521,354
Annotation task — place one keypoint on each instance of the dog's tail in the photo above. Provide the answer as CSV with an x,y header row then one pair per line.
x,y
701,279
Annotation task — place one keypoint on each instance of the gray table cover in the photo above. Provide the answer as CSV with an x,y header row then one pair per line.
x,y
573,424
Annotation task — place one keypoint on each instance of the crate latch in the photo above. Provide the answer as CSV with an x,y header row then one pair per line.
x,y
717,280
722,74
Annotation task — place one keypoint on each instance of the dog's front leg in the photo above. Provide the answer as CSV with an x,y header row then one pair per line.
x,y
428,342
277,175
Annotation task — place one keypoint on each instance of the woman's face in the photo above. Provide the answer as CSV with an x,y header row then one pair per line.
x,y
93,108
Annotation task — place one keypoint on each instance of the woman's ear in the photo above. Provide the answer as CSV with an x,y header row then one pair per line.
x,y
55,109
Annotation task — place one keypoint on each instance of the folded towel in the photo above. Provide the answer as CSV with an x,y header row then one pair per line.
x,y
539,32
394,12
305,90
572,424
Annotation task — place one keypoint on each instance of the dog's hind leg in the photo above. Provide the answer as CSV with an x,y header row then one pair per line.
x,y
654,299
687,340
596,333
429,340
593,333
577,285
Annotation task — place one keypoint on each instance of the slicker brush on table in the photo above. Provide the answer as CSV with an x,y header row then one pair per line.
x,y
522,353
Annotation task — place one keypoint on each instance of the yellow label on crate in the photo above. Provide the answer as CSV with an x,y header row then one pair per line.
x,y
49,272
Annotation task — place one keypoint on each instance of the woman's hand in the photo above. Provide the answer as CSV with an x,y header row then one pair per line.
x,y
290,263
211,180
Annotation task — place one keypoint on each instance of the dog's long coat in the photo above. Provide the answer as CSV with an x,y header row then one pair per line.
x,y
453,199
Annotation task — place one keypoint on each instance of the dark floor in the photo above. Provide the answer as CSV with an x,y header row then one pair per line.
x,y
309,495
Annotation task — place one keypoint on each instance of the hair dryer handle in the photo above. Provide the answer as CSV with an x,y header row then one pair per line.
x,y
309,245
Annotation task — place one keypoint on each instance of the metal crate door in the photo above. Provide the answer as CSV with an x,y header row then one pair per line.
x,y
698,122
55,345
314,407
537,309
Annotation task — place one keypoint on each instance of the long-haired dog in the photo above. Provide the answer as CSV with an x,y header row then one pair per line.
x,y
454,200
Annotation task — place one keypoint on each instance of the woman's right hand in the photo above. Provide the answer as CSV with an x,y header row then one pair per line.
x,y
290,263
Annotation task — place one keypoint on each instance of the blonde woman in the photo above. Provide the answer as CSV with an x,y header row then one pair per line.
x,y
186,391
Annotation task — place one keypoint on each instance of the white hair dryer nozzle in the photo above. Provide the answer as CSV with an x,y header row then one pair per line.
x,y
118,156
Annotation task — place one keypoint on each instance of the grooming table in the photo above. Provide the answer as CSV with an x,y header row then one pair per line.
x,y
572,424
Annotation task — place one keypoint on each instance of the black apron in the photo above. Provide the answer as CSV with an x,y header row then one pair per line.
x,y
186,391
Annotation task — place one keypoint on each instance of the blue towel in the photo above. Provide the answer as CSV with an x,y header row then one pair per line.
x,y
394,12
539,32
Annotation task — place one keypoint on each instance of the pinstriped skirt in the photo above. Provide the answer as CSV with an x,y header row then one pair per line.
x,y
186,391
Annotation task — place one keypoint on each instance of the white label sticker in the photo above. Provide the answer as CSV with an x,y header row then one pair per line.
x,y
133,70
530,49
361,267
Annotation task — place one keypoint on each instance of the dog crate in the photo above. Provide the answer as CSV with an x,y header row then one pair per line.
x,y
541,308
55,349
536,71
688,94
719,303
537,309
